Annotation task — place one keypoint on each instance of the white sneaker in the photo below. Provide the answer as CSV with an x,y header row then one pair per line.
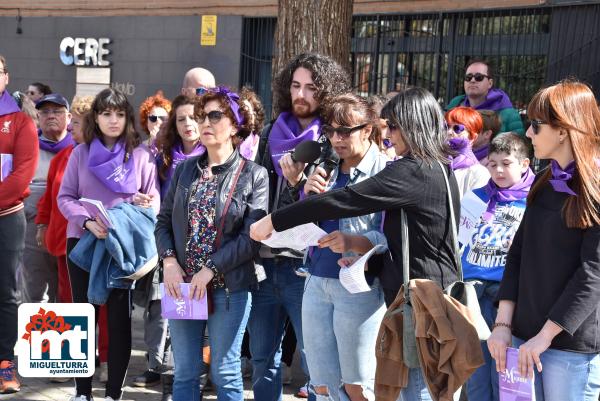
x,y
110,399
103,372
81,398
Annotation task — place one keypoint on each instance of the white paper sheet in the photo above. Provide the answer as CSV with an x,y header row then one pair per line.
x,y
353,278
298,238
471,209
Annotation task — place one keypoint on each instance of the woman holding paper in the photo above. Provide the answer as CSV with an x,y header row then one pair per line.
x,y
203,239
550,292
340,328
414,183
111,166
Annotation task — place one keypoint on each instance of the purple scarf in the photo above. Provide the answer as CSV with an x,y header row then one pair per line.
x,y
249,147
55,147
287,133
517,192
495,100
108,167
560,177
8,104
482,152
179,156
465,157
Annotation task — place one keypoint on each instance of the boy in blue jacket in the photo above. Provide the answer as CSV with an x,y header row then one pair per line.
x,y
484,256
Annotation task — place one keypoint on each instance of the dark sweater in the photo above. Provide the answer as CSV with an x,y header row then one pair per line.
x,y
553,272
407,184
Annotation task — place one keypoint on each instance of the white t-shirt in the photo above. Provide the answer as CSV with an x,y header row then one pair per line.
x,y
471,178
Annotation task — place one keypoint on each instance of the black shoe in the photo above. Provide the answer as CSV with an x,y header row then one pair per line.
x,y
167,382
147,379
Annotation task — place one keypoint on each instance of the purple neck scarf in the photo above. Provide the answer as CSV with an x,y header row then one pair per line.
x,y
286,134
179,156
465,157
108,167
495,100
482,152
249,147
560,177
55,147
8,104
517,192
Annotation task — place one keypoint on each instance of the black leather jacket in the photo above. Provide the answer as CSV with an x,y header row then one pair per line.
x,y
235,257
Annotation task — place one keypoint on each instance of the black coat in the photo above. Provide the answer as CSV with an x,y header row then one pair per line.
x,y
235,256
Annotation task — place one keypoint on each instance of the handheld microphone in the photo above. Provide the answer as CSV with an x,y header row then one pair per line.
x,y
330,161
306,152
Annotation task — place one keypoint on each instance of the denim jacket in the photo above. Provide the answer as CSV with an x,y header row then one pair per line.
x,y
368,225
128,249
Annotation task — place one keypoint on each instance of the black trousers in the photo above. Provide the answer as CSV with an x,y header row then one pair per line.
x,y
119,329
12,244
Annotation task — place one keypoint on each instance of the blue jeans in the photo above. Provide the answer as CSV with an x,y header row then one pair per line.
x,y
277,297
226,326
416,390
566,376
483,384
340,335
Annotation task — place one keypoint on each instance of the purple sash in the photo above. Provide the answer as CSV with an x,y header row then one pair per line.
x,y
55,147
560,177
286,134
179,156
513,193
482,152
465,157
108,167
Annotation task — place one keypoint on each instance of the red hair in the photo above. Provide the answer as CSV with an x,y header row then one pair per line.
x,y
158,100
468,117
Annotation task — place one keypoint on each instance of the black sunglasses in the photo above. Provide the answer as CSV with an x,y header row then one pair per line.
x,y
154,118
343,132
213,116
535,126
391,125
478,77
201,91
457,128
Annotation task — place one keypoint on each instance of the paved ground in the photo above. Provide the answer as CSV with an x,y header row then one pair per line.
x,y
41,389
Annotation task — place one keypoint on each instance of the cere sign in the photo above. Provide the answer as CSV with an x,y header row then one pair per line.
x,y
84,51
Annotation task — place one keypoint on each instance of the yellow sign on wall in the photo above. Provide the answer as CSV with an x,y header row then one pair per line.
x,y
208,32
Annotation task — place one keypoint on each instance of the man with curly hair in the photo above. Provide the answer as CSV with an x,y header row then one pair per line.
x,y
300,90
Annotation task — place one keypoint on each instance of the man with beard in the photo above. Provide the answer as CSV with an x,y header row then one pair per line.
x,y
300,90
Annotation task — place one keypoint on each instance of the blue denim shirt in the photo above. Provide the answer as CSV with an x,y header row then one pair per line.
x,y
368,225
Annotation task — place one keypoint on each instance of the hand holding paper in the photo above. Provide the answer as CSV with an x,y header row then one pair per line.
x,y
353,278
298,238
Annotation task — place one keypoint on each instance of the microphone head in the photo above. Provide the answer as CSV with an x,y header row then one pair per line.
x,y
306,152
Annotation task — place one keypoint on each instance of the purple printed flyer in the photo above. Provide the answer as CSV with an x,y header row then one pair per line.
x,y
184,308
513,386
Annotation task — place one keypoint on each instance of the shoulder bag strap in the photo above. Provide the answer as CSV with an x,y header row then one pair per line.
x,y
228,202
405,253
453,225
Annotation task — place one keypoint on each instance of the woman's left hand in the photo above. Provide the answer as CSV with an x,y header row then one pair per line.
x,y
199,282
142,200
529,354
262,229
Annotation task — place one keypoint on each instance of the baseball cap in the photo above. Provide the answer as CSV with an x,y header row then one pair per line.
x,y
55,98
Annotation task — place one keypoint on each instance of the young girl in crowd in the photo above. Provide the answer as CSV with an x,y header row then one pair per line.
x,y
340,328
202,238
111,166
550,293
484,255
464,124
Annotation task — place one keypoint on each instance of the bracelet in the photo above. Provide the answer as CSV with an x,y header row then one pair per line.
x,y
501,324
85,222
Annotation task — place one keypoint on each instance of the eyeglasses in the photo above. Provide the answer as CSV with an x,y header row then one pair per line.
x,y
56,112
3,72
478,77
213,116
535,126
201,91
343,132
153,118
457,128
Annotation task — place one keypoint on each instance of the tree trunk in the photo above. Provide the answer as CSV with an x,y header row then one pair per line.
x,y
321,26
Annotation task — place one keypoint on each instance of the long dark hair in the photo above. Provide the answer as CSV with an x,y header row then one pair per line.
x,y
112,99
421,122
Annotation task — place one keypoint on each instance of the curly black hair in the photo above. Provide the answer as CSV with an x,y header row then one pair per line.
x,y
329,77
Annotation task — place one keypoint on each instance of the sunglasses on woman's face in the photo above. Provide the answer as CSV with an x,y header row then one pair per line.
x,y
213,116
343,132
201,91
535,126
478,77
457,128
153,118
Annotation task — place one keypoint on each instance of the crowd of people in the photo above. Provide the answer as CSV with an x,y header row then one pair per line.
x,y
203,179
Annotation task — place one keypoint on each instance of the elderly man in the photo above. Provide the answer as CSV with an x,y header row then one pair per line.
x,y
196,81
39,273
481,95
19,154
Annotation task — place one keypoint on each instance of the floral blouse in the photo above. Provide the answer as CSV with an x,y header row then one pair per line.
x,y
202,231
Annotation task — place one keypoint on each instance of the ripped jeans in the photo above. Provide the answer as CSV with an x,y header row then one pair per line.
x,y
340,332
